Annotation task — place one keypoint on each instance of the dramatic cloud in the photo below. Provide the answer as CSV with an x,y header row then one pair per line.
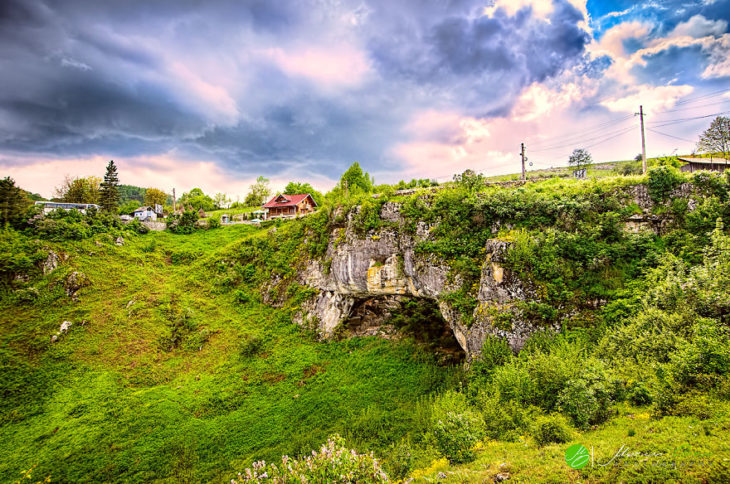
x,y
231,90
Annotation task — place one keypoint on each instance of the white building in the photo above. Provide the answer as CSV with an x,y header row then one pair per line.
x,y
145,214
81,207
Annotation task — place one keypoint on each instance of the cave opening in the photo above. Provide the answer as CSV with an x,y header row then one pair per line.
x,y
405,317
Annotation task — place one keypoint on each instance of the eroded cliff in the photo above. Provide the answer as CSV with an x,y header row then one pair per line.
x,y
387,262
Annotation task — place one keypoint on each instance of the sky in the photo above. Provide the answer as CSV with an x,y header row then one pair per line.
x,y
212,94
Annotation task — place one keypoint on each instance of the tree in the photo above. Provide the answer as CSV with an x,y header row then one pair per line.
x,y
296,188
197,199
716,138
13,202
579,160
154,196
131,192
109,192
221,200
79,190
354,180
129,206
258,192
470,180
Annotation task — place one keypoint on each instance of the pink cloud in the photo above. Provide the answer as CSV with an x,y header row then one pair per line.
x,y
332,66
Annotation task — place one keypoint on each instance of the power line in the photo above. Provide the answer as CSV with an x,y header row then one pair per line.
x,y
621,133
580,141
694,107
598,127
704,96
669,135
684,120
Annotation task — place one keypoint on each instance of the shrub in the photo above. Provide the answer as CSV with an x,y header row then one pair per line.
x,y
495,352
695,404
182,224
549,429
638,394
333,463
214,223
505,420
18,256
578,402
456,434
585,401
250,346
400,460
662,180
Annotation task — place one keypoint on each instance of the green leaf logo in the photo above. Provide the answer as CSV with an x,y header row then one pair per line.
x,y
577,456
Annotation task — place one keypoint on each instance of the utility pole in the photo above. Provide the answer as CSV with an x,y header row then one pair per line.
x,y
643,139
174,208
522,153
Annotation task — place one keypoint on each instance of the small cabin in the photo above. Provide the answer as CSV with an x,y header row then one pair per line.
x,y
289,206
145,214
696,164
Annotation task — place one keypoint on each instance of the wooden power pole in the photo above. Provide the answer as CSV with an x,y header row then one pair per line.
x,y
174,208
522,154
643,140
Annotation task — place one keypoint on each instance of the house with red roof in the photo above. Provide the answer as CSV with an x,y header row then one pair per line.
x,y
283,205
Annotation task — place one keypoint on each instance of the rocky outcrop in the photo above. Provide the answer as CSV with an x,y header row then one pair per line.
x,y
386,264
75,282
51,262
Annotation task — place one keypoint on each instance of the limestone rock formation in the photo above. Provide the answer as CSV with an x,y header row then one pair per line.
x,y
385,264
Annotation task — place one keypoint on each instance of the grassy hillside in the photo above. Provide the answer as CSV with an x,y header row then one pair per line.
x,y
174,377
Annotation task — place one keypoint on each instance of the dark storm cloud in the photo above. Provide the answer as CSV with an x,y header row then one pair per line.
x,y
90,77
480,47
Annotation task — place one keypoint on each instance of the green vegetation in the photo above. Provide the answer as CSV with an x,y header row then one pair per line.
x,y
108,189
171,372
182,363
13,203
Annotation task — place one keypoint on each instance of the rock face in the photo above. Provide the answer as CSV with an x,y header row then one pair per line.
x,y
385,264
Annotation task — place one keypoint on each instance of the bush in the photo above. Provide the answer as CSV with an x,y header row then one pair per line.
x,y
214,223
506,420
182,224
457,427
662,180
695,404
549,429
457,434
495,353
19,256
333,463
585,402
250,346
638,394
400,460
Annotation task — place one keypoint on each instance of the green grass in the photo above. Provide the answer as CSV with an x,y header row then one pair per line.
x,y
673,449
109,402
230,211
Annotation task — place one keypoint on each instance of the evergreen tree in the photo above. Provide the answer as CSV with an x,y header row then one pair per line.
x,y
13,202
109,193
